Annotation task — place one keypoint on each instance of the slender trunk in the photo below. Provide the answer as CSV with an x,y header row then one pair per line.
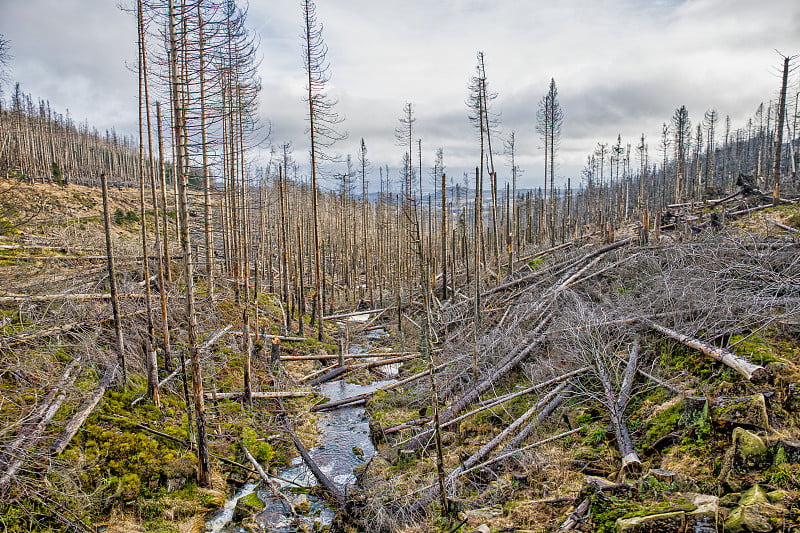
x,y
203,472
112,281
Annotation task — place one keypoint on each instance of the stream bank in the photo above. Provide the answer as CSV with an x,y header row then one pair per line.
x,y
344,445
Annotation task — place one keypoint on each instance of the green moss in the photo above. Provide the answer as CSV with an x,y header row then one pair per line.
x,y
663,423
252,501
261,450
606,510
757,348
536,262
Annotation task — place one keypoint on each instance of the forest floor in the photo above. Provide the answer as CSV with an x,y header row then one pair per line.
x,y
705,436
117,474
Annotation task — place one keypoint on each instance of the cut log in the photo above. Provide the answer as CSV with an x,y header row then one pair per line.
x,y
752,372
72,427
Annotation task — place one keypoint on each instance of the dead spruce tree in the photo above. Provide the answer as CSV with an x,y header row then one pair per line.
x,y
322,128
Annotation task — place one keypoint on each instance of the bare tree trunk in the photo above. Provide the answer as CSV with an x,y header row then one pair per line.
x,y
112,281
203,473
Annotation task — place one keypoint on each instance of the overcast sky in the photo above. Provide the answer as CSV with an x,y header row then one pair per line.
x,y
621,67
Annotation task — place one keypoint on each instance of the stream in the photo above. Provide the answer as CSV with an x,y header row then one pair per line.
x,y
343,432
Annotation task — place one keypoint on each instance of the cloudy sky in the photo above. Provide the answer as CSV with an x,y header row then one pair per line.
x,y
621,67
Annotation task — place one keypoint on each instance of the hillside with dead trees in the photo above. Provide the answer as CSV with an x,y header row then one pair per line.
x,y
201,330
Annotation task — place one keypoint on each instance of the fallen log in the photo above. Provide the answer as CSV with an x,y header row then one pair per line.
x,y
25,298
58,330
72,427
341,370
755,373
784,226
500,437
355,313
405,425
505,398
385,388
616,408
275,492
328,357
512,452
15,453
474,392
536,423
326,483
260,395
600,251
316,373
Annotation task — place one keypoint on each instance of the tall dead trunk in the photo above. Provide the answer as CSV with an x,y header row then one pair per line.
x,y
203,472
112,281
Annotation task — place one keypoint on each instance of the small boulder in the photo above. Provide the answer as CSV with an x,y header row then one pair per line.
x,y
748,411
302,508
247,506
753,495
656,523
759,517
747,453
704,518
777,496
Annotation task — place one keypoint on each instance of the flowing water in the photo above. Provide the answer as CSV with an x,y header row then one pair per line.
x,y
345,444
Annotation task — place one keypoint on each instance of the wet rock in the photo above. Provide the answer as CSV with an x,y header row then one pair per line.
x,y
747,453
251,525
748,411
303,507
358,452
657,523
247,506
704,518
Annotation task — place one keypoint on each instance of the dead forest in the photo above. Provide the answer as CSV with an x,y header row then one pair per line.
x,y
616,351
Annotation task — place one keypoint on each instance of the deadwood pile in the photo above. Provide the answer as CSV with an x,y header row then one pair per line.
x,y
581,325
